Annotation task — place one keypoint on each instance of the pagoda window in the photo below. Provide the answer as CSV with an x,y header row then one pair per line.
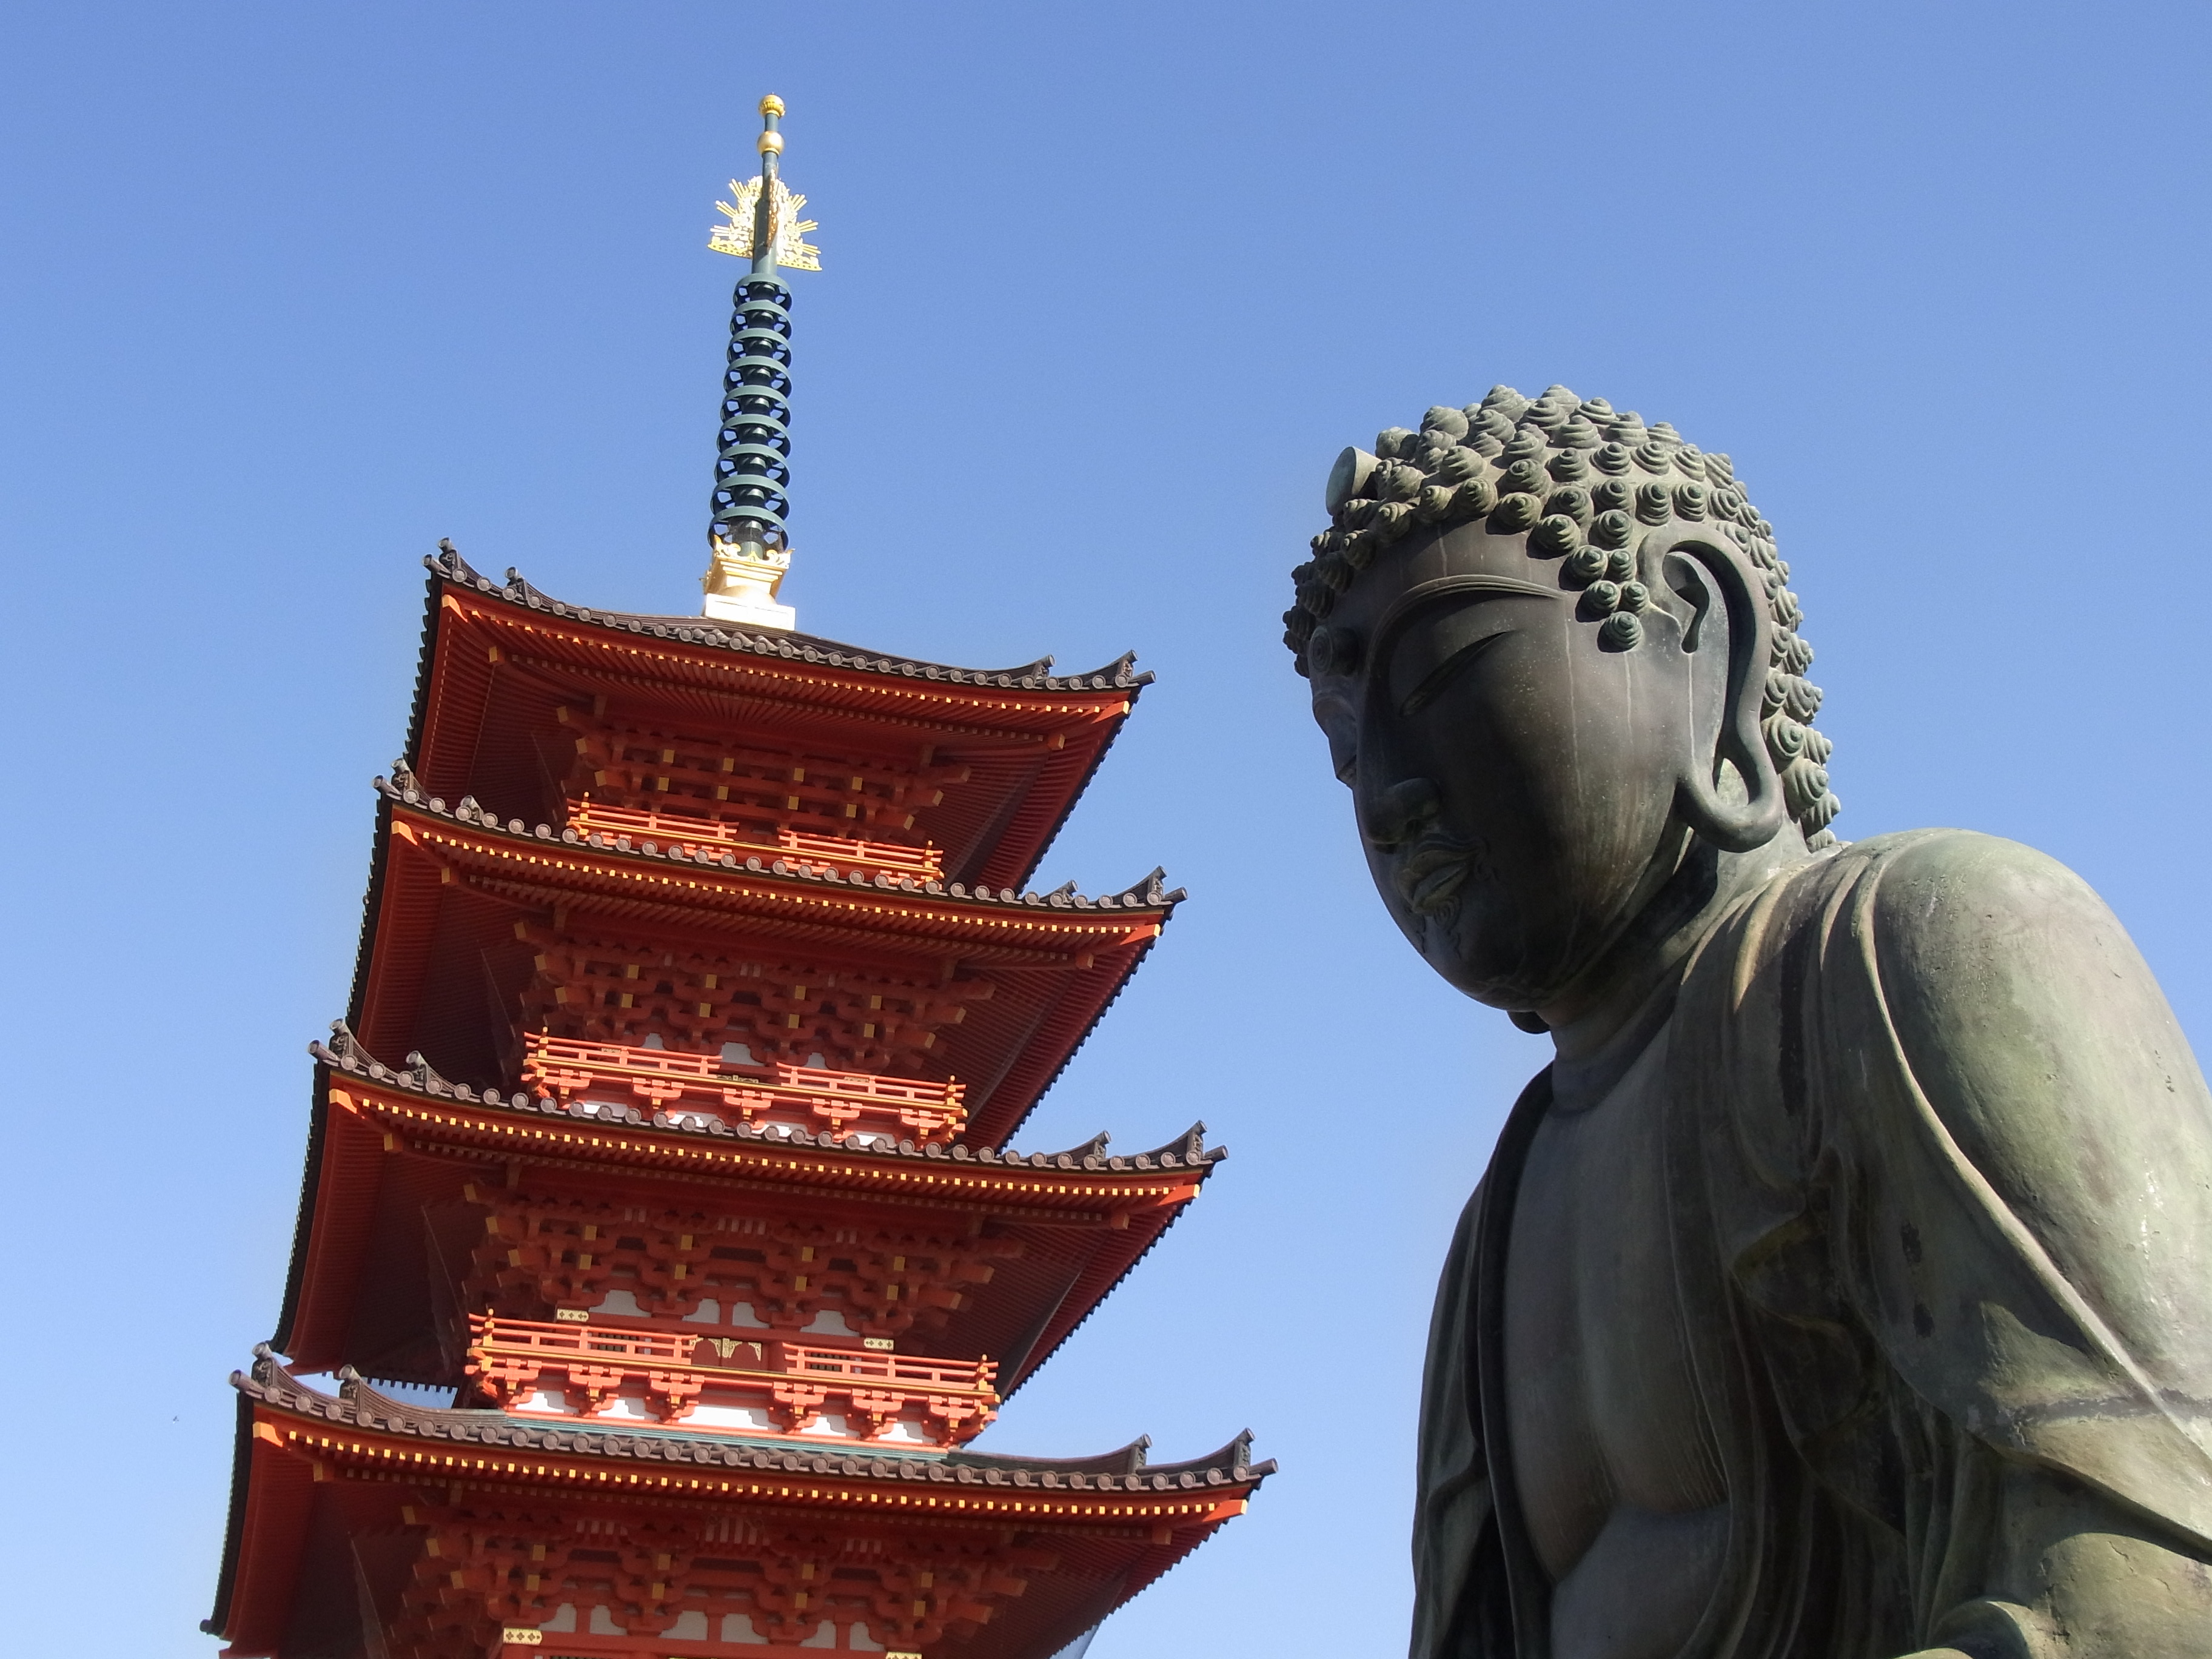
x,y
739,1053
738,1627
708,1312
653,1038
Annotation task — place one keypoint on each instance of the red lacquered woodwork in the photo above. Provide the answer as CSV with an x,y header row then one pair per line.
x,y
819,1099
795,1386
481,931
694,1004
821,854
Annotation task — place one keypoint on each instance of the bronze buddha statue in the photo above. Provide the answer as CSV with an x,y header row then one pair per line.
x,y
1843,1288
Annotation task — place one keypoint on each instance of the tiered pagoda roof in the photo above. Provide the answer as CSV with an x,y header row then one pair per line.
x,y
737,1068
1009,749
363,1292
1041,1546
482,879
699,991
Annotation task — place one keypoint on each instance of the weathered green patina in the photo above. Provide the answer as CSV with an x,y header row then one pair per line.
x,y
1844,1288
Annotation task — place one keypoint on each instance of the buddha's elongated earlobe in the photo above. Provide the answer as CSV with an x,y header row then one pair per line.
x,y
1700,571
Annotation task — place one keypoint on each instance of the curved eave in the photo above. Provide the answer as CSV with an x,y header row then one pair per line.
x,y
308,1457
372,910
679,659
1052,925
1062,958
311,1205
737,679
1099,1281
234,1531
448,567
1031,1490
1085,1181
364,1110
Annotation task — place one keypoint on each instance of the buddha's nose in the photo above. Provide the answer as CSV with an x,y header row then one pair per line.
x,y
1399,813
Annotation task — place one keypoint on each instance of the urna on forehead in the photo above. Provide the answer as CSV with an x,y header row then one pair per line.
x,y
1582,484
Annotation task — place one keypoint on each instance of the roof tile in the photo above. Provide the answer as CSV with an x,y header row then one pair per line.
x,y
1117,675
360,1405
344,1052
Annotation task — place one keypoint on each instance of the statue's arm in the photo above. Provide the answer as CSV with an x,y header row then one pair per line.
x,y
2037,1245
1453,1557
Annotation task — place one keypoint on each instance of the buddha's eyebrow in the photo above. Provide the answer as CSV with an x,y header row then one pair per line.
x,y
1423,593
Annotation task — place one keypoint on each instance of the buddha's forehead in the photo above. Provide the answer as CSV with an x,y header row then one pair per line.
x,y
1466,549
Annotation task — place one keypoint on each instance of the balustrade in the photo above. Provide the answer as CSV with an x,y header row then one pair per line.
x,y
592,1364
905,1108
823,854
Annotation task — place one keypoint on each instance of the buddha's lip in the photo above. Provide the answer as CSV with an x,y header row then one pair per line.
x,y
1433,873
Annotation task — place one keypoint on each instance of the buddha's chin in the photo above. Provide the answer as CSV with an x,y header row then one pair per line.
x,y
1480,957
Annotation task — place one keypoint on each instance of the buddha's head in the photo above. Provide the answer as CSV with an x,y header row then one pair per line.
x,y
1556,661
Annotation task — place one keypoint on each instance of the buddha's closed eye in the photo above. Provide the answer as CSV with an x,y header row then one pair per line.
x,y
1434,683
1441,630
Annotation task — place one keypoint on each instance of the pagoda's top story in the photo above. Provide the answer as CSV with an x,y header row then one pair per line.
x,y
660,1251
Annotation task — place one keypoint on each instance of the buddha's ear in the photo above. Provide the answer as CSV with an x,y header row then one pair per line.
x,y
1715,584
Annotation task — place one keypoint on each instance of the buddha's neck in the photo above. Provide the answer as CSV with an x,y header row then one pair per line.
x,y
1611,1012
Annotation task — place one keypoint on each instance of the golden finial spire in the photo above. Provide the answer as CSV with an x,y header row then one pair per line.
x,y
750,551
779,231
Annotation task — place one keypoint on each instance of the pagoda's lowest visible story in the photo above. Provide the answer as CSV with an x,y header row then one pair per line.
x,y
698,996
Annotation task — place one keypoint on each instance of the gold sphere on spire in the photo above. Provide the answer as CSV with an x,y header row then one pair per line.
x,y
771,105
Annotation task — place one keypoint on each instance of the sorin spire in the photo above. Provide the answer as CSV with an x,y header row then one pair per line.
x,y
751,551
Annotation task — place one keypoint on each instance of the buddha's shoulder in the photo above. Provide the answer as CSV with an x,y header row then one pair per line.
x,y
1934,897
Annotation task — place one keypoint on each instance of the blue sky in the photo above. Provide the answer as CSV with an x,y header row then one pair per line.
x,y
292,291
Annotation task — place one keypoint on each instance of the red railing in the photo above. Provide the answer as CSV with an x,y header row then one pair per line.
x,y
912,1109
594,1364
682,830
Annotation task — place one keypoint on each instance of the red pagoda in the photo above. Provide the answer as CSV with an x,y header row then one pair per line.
x,y
697,998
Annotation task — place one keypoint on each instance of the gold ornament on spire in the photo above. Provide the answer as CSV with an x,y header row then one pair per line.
x,y
750,550
785,227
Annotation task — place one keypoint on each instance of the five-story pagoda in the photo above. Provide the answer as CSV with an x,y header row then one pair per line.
x,y
697,998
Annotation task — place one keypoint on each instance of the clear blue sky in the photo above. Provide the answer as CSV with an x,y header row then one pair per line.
x,y
294,290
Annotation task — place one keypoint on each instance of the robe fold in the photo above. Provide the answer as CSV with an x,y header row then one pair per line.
x,y
1939,1173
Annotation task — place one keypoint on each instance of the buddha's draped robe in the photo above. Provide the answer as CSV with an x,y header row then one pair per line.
x,y
1939,1173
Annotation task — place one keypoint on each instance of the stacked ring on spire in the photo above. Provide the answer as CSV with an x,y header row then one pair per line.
x,y
753,470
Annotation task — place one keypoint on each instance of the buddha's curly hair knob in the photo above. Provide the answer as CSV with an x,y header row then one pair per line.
x,y
1578,480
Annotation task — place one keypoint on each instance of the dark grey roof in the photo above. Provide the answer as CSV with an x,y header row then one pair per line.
x,y
1147,894
360,1407
343,1053
1115,676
